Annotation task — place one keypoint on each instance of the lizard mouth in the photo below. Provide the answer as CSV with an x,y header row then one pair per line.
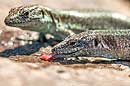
x,y
21,24
65,51
10,22
29,24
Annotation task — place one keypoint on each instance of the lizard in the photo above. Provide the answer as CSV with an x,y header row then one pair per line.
x,y
61,23
111,44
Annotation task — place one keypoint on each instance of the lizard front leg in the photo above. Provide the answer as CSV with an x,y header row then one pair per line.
x,y
62,32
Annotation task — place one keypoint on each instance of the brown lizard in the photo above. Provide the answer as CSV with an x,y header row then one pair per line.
x,y
112,44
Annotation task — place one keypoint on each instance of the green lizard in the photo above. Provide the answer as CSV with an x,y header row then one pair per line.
x,y
61,23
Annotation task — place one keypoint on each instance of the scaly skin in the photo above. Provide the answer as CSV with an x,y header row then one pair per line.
x,y
61,23
112,44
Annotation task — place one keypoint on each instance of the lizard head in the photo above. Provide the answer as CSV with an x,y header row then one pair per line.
x,y
27,16
74,45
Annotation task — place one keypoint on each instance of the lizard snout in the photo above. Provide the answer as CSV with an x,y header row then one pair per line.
x,y
7,21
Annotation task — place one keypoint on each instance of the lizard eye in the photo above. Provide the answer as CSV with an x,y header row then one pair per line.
x,y
26,13
72,43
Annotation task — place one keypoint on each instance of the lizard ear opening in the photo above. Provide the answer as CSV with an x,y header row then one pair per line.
x,y
43,14
95,43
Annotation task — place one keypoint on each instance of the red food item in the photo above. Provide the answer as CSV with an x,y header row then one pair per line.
x,y
47,57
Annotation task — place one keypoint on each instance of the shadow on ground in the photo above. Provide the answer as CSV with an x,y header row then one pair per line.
x,y
22,50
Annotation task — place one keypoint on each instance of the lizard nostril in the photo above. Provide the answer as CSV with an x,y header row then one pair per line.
x,y
6,21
